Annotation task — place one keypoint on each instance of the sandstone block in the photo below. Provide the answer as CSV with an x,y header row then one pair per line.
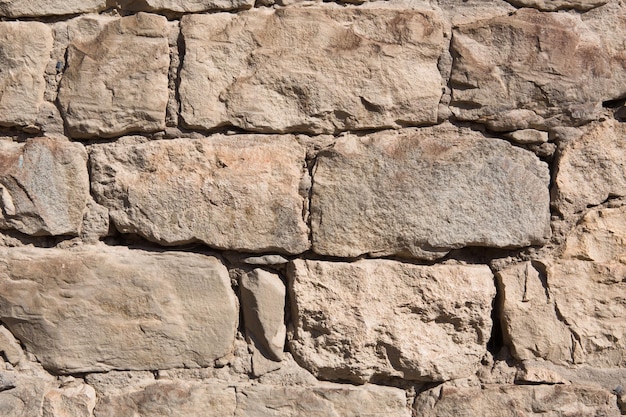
x,y
117,76
423,192
239,193
321,401
98,308
27,8
24,397
339,68
184,6
530,70
517,400
592,168
25,49
44,186
554,5
10,347
372,318
77,400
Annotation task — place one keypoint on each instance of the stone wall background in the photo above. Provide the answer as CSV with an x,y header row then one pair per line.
x,y
229,208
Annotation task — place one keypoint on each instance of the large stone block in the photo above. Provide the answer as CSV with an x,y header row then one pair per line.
x,y
423,192
27,8
117,76
338,68
554,5
184,6
379,318
98,309
230,192
44,186
532,70
25,49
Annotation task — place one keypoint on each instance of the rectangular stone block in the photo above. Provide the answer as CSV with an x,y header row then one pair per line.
x,y
44,186
34,8
117,76
230,192
378,318
184,6
422,192
311,69
25,49
97,308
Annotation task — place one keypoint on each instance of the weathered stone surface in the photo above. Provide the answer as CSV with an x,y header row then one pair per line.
x,y
171,399
44,186
263,304
592,168
423,192
321,401
116,81
24,53
239,193
77,400
527,136
10,347
370,318
532,69
339,68
553,5
98,308
24,396
24,8
516,400
184,6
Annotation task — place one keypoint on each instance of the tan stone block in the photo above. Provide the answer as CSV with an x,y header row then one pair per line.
x,y
27,8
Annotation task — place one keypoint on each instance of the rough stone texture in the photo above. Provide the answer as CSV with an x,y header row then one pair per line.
x,y
423,192
371,318
592,168
26,8
77,400
239,193
44,186
24,54
117,76
263,304
184,6
97,309
514,401
553,5
339,68
25,398
9,347
532,70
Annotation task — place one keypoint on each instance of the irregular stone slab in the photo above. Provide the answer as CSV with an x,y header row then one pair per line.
x,y
117,76
98,308
10,347
423,192
44,186
517,400
230,192
24,8
591,168
339,68
76,400
171,399
24,54
532,70
554,5
321,400
263,304
184,6
24,396
371,318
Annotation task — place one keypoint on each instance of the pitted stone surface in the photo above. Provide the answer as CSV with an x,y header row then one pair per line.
x,y
26,8
117,76
239,193
339,68
423,192
24,54
356,321
184,6
97,309
44,186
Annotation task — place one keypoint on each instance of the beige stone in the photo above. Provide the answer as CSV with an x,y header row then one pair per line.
x,y
97,308
9,347
423,192
25,49
27,8
230,192
340,68
117,76
321,401
184,6
528,136
553,5
592,168
76,400
532,70
263,304
23,397
44,186
378,318
517,400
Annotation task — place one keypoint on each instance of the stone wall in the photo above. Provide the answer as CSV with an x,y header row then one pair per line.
x,y
282,208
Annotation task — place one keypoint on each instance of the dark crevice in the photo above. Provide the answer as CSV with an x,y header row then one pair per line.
x,y
495,344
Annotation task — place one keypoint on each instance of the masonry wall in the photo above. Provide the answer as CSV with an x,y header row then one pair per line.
x,y
394,208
